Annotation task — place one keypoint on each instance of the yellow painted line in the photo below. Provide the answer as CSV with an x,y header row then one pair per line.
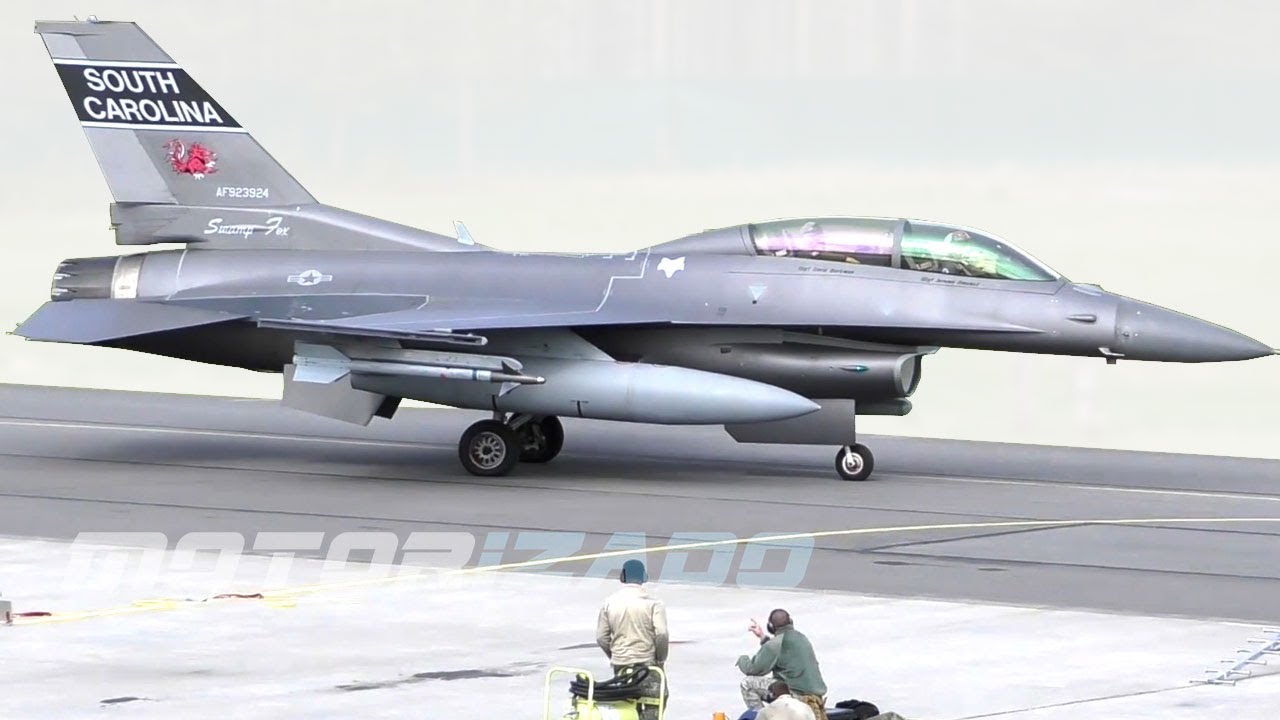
x,y
283,597
858,531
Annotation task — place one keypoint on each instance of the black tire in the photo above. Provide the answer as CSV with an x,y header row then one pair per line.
x,y
855,462
541,440
489,449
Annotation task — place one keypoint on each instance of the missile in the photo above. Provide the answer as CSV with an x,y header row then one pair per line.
x,y
324,364
368,367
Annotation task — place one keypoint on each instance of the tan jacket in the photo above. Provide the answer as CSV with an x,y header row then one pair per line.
x,y
786,708
632,628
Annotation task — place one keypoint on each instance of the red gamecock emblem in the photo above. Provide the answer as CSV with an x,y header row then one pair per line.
x,y
195,160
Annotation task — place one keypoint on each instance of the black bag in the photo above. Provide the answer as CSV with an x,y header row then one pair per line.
x,y
854,710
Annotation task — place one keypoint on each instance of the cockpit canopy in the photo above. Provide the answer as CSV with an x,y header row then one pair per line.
x,y
905,244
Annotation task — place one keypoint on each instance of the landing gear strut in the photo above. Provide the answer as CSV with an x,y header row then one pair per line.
x,y
855,462
491,448
540,439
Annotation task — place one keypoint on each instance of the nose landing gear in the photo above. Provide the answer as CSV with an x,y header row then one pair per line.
x,y
491,448
855,462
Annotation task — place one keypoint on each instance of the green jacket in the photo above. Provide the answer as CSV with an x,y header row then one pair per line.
x,y
789,656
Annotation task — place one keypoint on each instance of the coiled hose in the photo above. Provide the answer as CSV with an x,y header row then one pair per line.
x,y
623,687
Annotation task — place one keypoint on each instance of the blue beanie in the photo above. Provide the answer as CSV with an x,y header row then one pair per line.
x,y
633,572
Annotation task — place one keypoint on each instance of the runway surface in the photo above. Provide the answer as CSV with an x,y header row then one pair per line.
x,y
74,460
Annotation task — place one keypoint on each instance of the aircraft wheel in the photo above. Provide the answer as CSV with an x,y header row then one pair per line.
x,y
855,462
541,440
489,448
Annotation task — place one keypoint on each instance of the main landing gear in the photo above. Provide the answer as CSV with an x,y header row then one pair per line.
x,y
491,448
855,462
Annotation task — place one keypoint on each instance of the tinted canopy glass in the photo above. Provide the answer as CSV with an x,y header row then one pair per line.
x,y
923,247
858,240
950,250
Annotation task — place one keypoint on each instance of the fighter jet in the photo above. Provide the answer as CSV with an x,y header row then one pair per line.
x,y
781,331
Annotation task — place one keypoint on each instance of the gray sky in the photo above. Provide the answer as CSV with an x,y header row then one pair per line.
x,y
625,86
1132,144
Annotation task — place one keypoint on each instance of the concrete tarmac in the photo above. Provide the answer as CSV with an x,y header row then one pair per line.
x,y
73,461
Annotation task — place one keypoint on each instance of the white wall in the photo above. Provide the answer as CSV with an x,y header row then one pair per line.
x,y
1133,145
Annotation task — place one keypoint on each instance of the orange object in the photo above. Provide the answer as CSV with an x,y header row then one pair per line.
x,y
718,716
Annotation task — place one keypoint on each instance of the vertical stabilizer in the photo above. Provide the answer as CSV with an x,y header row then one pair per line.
x,y
159,137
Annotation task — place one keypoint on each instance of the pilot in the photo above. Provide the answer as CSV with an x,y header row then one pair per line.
x,y
812,238
632,631
785,654
984,265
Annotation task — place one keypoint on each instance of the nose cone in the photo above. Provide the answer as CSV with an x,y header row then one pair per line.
x,y
1149,332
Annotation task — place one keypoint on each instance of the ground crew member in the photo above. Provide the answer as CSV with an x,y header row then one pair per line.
x,y
632,627
787,655
783,706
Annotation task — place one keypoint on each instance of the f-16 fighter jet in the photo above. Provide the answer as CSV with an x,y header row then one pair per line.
x,y
781,331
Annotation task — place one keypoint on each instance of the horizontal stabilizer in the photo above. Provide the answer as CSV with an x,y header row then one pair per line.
x,y
98,320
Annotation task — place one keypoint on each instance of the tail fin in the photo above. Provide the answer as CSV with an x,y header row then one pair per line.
x,y
160,139
182,169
